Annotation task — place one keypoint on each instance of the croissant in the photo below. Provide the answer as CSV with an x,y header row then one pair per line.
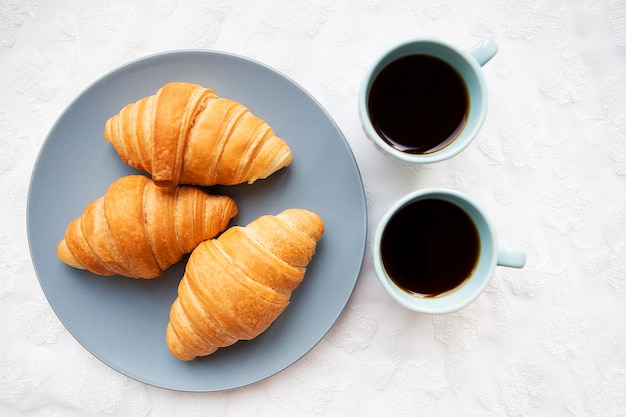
x,y
138,229
235,286
186,134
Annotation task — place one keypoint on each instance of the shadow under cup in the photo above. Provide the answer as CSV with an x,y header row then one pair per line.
x,y
467,291
468,66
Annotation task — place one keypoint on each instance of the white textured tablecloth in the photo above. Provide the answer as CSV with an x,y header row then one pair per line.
x,y
549,166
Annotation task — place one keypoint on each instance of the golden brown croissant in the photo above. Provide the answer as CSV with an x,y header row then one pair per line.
x,y
235,286
186,134
138,229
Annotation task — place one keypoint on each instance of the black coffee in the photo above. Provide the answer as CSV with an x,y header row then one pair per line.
x,y
430,247
418,104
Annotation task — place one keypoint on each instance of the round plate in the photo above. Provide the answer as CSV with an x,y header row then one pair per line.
x,y
121,320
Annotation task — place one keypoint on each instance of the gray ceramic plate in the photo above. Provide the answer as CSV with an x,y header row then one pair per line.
x,y
122,321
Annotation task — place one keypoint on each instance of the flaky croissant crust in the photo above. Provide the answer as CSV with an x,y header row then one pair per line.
x,y
235,286
138,229
186,134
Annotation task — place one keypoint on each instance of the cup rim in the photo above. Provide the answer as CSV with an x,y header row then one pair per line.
x,y
445,153
446,303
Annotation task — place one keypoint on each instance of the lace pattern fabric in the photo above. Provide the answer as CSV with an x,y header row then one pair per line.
x,y
549,167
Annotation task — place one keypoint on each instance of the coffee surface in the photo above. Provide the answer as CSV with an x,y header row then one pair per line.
x,y
430,247
418,104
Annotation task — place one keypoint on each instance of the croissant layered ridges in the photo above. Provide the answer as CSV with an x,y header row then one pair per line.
x,y
138,229
186,134
235,286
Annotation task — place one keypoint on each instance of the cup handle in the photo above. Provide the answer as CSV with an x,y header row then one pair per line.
x,y
513,258
484,50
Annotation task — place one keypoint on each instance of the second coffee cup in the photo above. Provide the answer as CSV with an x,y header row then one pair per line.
x,y
425,100
435,250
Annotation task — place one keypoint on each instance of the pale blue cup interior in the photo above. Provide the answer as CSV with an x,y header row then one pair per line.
x,y
468,291
468,68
